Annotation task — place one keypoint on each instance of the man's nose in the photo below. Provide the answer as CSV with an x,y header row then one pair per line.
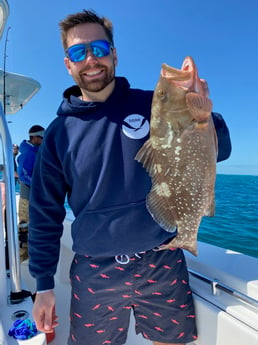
x,y
90,56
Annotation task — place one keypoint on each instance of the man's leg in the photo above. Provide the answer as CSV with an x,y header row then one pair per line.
x,y
23,214
163,303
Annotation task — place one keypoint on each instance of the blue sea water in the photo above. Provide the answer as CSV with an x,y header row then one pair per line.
x,y
235,224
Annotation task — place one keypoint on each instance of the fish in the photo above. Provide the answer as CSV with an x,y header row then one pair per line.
x,y
180,154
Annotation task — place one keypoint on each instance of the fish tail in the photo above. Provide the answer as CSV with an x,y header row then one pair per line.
x,y
179,243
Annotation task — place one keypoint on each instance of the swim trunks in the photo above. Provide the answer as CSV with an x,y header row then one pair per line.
x,y
153,285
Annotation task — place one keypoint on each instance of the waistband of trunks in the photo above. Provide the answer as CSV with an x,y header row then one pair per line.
x,y
124,258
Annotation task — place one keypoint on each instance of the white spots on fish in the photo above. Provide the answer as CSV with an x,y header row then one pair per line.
x,y
155,122
168,137
155,142
157,168
163,190
177,150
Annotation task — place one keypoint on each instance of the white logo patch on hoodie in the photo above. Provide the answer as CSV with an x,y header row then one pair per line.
x,y
135,126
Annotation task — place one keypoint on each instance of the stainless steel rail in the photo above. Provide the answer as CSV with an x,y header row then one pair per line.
x,y
11,214
217,285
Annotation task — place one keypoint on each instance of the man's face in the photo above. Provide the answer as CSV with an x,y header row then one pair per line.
x,y
92,74
37,140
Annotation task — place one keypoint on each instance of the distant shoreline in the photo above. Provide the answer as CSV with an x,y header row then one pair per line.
x,y
237,174
237,169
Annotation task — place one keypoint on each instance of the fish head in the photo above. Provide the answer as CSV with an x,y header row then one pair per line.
x,y
186,78
169,96
171,101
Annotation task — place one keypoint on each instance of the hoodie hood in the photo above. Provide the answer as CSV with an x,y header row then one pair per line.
x,y
27,147
72,105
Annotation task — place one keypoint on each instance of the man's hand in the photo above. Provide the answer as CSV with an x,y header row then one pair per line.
x,y
44,312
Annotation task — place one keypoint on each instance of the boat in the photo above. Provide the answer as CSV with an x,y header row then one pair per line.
x,y
224,282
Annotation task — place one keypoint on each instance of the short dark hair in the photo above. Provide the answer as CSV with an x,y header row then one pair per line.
x,y
36,128
85,17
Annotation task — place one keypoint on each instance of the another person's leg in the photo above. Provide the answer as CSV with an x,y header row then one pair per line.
x,y
23,214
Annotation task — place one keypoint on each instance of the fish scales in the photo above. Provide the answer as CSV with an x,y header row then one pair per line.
x,y
181,154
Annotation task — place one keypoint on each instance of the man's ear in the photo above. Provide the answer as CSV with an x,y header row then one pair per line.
x,y
67,65
115,56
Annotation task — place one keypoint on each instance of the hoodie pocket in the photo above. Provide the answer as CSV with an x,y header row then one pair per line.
x,y
114,230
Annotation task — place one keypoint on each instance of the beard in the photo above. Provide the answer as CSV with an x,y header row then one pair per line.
x,y
98,84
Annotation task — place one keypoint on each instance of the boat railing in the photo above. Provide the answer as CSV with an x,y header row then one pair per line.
x,y
216,286
10,205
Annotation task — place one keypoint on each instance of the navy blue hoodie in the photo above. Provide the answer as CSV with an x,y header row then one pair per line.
x,y
88,155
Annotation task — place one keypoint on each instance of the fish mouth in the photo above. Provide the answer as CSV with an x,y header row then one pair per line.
x,y
183,77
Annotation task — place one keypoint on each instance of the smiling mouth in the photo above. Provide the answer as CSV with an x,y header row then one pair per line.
x,y
92,73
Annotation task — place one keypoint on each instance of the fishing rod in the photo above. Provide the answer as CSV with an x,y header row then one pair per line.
x,y
4,77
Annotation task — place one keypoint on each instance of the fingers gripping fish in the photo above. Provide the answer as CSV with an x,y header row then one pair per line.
x,y
181,154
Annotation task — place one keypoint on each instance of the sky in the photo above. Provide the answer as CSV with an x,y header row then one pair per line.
x,y
221,36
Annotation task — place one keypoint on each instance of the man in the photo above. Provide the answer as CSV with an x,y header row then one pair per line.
x,y
15,154
88,155
26,161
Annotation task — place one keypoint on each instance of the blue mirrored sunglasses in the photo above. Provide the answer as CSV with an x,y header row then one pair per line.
x,y
78,52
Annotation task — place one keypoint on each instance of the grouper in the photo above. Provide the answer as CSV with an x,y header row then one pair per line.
x,y
180,155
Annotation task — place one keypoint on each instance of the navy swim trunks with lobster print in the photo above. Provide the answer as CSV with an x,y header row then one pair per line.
x,y
153,285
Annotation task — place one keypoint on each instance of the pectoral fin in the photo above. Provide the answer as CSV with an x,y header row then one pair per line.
x,y
199,106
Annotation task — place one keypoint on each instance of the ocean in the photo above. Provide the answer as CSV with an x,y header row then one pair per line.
x,y
235,224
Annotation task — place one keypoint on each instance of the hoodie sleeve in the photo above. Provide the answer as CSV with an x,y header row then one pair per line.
x,y
224,142
47,212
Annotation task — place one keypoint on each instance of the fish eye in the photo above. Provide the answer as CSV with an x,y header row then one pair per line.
x,y
161,93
